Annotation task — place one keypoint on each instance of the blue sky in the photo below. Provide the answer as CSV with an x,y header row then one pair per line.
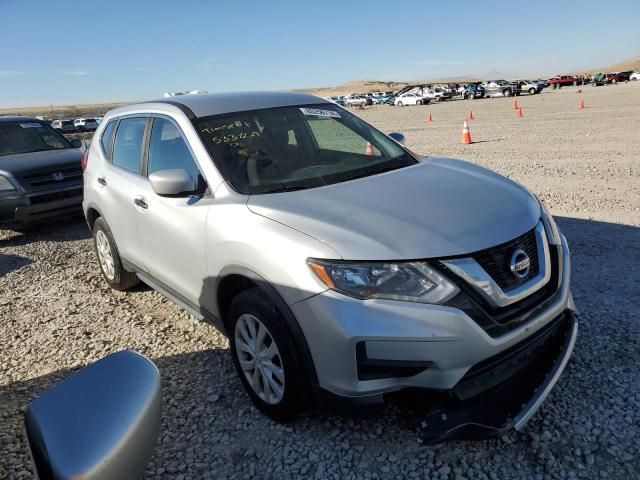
x,y
63,51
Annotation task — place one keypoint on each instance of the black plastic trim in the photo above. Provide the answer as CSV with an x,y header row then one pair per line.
x,y
186,110
374,369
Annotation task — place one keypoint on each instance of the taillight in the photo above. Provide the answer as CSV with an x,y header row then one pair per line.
x,y
85,159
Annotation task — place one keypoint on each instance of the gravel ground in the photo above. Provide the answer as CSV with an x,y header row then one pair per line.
x,y
57,314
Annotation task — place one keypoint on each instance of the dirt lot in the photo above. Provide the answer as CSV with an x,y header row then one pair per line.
x,y
57,314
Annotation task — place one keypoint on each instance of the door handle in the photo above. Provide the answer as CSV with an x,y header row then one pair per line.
x,y
141,202
102,181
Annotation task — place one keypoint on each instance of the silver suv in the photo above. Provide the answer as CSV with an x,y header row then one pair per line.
x,y
337,261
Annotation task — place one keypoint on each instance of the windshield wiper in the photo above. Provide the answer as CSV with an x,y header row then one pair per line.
x,y
373,171
287,188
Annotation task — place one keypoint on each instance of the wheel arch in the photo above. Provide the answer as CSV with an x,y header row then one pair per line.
x,y
92,213
234,280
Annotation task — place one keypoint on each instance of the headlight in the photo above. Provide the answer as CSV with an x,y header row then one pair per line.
x,y
5,184
408,281
550,227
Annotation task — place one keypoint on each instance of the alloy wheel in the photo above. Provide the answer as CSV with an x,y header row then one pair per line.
x,y
259,359
104,254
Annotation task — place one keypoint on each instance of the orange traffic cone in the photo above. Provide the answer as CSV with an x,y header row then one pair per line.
x,y
430,119
581,104
520,112
466,136
515,103
470,117
369,150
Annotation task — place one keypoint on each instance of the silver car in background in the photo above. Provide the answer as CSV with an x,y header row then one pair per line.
x,y
339,263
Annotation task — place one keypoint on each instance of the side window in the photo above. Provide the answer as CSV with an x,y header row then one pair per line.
x,y
127,148
168,149
107,135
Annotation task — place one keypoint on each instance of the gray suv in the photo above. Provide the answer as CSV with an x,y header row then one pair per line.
x,y
40,172
339,263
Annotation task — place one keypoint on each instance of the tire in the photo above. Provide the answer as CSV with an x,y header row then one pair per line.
x,y
112,270
284,398
472,96
400,104
506,93
532,91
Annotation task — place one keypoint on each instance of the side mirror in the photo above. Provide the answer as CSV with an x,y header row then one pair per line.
x,y
101,422
172,182
76,143
398,137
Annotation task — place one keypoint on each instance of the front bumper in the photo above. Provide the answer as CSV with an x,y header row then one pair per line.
x,y
432,346
511,403
22,210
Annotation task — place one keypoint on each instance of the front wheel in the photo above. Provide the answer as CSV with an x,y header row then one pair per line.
x,y
532,91
265,355
506,93
400,104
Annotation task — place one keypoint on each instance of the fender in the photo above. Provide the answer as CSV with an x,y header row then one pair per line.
x,y
298,336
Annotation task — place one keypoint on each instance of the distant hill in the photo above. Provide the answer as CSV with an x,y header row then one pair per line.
x,y
360,86
366,86
630,64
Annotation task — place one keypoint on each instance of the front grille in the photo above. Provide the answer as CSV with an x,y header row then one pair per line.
x,y
45,177
52,197
496,260
497,321
497,369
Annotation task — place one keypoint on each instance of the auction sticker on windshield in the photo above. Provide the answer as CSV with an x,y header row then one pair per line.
x,y
317,112
30,125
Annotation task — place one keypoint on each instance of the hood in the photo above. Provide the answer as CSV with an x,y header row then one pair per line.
x,y
21,163
438,208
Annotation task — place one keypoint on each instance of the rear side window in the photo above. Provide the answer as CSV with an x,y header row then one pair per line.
x,y
105,139
168,149
127,147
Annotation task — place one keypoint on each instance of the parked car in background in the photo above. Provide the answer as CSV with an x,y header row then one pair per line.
x,y
499,88
85,124
473,91
40,172
325,287
529,86
64,126
562,81
411,98
355,101
616,77
634,76
437,94
337,100
625,76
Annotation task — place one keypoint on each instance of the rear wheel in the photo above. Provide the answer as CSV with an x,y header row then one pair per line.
x,y
506,93
109,258
400,104
265,355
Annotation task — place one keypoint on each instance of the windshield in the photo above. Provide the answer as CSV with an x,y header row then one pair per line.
x,y
26,137
293,148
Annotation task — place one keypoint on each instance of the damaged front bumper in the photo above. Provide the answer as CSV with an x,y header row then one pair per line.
x,y
523,378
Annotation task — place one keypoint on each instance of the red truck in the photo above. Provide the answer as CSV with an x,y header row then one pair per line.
x,y
562,81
